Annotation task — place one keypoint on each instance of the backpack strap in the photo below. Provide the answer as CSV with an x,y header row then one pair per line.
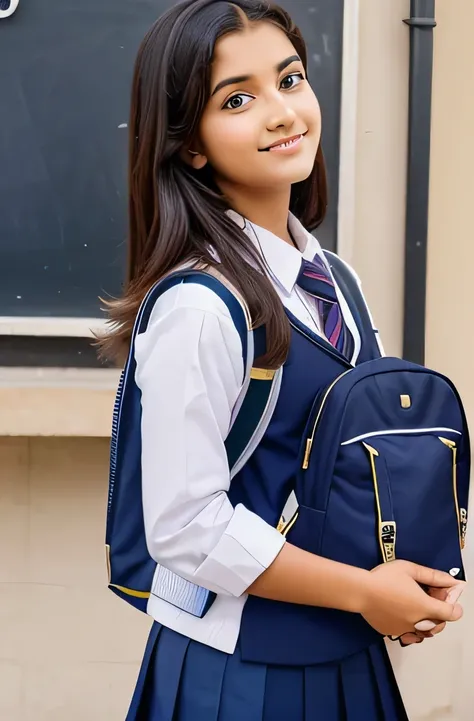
x,y
253,410
250,418
349,284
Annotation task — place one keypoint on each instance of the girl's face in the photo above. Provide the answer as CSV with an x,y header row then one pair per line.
x,y
260,98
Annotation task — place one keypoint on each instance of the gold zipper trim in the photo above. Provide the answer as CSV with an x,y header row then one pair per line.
x,y
310,440
131,591
386,528
128,591
461,513
285,528
107,561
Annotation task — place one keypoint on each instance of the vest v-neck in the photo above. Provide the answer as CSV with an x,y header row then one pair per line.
x,y
316,339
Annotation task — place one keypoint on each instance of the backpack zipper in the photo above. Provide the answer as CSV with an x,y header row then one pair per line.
x,y
310,440
460,512
117,410
387,529
328,350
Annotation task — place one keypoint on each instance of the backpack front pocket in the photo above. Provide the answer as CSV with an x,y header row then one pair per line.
x,y
398,491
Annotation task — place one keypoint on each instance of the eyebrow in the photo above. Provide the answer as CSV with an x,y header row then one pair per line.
x,y
244,78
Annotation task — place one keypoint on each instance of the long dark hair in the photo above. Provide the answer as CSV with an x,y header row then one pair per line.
x,y
175,212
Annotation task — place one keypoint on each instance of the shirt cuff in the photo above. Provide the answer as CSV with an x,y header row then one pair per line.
x,y
247,548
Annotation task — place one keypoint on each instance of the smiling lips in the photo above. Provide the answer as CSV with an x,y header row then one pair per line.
x,y
286,146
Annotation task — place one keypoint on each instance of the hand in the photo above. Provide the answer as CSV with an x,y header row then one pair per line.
x,y
443,594
395,600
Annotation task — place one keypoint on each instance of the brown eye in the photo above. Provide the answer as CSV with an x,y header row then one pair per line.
x,y
237,101
291,81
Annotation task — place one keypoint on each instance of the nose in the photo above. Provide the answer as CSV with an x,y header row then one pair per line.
x,y
280,113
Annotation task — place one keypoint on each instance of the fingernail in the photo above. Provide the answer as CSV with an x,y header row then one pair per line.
x,y
425,626
455,594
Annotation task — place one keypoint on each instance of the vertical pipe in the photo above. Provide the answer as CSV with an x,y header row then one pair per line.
x,y
421,22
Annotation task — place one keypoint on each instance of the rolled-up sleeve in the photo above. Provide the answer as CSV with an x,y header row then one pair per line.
x,y
190,372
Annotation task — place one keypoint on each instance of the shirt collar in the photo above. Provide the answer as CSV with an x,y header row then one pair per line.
x,y
283,261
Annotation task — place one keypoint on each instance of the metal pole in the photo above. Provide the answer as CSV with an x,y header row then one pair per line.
x,y
421,22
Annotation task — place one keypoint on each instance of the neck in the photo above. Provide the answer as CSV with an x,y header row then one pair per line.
x,y
267,209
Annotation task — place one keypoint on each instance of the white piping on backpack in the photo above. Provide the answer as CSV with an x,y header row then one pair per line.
x,y
400,432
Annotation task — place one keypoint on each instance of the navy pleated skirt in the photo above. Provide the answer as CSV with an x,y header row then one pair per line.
x,y
182,680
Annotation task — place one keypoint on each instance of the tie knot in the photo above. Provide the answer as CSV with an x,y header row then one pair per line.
x,y
315,279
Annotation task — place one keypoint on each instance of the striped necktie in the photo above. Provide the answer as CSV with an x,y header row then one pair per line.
x,y
315,279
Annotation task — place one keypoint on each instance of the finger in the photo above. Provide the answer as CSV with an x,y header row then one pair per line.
x,y
407,639
442,611
451,595
455,593
425,626
439,593
432,577
434,632
437,629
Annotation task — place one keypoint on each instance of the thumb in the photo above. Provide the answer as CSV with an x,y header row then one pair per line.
x,y
451,595
432,577
443,611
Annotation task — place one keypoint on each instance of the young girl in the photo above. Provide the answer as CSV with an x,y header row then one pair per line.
x,y
226,172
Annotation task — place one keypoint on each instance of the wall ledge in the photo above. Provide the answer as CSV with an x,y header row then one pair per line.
x,y
57,401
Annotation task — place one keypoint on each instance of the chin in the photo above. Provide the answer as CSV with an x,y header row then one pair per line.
x,y
296,174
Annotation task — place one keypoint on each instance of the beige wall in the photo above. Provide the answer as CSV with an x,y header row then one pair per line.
x,y
380,183
451,246
69,649
450,306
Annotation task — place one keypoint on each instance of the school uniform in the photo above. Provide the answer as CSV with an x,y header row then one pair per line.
x,y
246,658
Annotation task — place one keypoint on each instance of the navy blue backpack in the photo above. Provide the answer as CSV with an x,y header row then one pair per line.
x,y
383,470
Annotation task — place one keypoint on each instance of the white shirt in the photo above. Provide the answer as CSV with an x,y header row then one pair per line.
x,y
190,373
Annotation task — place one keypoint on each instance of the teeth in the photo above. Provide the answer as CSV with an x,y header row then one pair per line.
x,y
290,142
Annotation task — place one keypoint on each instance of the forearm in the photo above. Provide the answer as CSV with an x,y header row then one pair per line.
x,y
296,576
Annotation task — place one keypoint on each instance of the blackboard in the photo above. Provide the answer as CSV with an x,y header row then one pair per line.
x,y
65,74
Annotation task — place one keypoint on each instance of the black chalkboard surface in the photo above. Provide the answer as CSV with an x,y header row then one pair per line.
x,y
65,74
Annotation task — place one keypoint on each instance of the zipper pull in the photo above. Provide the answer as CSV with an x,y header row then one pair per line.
x,y
447,442
307,453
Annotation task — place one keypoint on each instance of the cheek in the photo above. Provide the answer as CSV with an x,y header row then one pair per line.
x,y
227,139
311,112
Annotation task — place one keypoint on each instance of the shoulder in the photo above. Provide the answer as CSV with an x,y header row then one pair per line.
x,y
189,299
190,325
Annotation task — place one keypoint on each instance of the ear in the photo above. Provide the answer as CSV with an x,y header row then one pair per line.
x,y
196,160
193,158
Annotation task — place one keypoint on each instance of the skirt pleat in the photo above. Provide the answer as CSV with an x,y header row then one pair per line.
x,y
166,675
361,698
323,693
201,685
388,691
182,680
284,694
144,686
243,690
